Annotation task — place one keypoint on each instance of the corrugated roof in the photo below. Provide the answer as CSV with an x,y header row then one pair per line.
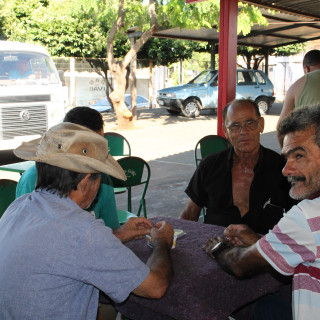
x,y
307,8
296,21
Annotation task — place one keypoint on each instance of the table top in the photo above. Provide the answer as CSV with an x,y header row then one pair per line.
x,y
19,167
200,289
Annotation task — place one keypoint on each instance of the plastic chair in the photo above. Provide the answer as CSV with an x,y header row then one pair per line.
x,y
7,194
138,173
118,145
209,144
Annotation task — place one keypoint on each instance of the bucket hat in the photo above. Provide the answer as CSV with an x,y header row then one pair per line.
x,y
73,147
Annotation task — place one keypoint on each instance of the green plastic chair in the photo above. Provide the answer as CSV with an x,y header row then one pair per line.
x,y
209,144
138,173
118,145
7,194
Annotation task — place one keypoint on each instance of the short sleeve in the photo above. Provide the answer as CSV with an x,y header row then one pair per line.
x,y
109,265
195,189
290,243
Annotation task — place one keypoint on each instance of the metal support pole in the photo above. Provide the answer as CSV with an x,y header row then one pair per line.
x,y
227,56
213,55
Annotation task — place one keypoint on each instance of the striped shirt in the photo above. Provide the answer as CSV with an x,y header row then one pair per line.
x,y
293,248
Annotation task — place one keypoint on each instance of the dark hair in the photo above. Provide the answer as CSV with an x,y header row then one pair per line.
x,y
311,58
240,101
86,117
58,180
301,119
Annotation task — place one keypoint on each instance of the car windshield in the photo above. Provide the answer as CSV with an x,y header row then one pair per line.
x,y
204,77
18,68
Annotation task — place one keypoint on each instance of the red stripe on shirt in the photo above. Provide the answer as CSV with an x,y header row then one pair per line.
x,y
312,271
276,258
314,223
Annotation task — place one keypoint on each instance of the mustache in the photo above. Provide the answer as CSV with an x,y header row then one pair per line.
x,y
296,179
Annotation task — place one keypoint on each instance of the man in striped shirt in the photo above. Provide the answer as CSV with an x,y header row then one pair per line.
x,y
293,246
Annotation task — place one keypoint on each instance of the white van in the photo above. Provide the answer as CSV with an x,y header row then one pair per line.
x,y
31,97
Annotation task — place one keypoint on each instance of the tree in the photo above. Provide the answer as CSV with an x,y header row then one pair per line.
x,y
254,56
98,29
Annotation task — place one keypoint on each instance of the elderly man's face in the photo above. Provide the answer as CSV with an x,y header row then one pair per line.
x,y
303,164
243,127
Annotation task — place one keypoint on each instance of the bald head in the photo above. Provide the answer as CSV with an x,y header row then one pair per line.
x,y
240,103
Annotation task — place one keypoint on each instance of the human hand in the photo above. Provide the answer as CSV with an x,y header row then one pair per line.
x,y
162,233
134,228
212,242
241,235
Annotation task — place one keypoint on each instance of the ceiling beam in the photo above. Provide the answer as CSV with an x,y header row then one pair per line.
x,y
288,10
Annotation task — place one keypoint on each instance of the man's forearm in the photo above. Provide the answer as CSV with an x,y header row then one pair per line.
x,y
160,262
241,261
161,272
191,211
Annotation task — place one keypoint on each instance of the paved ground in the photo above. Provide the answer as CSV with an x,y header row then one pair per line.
x,y
167,143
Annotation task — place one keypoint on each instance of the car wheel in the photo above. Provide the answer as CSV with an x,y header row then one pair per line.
x,y
191,108
263,105
173,112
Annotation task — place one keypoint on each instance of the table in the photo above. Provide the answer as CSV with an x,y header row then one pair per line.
x,y
19,167
199,289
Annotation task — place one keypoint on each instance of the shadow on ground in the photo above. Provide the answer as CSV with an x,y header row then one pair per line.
x,y
169,178
156,114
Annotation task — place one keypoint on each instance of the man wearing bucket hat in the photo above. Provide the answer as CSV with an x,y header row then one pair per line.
x,y
55,256
104,205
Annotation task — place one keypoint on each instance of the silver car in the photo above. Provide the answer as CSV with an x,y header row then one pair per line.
x,y
202,92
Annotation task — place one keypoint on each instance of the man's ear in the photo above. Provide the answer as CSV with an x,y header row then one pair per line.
x,y
306,69
261,122
225,131
84,186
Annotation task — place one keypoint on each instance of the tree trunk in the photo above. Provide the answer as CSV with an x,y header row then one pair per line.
x,y
124,116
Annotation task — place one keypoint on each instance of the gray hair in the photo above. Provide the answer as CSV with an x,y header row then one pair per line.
x,y
301,119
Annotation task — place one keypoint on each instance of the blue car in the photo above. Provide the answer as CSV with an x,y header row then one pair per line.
x,y
103,105
202,92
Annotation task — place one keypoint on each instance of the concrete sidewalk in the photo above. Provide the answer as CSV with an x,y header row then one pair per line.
x,y
167,143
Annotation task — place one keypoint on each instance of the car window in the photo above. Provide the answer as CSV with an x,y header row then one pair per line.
x,y
214,81
246,78
203,77
260,78
141,99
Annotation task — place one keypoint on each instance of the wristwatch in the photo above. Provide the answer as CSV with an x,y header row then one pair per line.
x,y
219,247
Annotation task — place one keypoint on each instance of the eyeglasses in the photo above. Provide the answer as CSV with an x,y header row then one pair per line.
x,y
249,124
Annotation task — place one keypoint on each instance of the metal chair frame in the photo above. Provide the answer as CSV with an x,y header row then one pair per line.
x,y
138,173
